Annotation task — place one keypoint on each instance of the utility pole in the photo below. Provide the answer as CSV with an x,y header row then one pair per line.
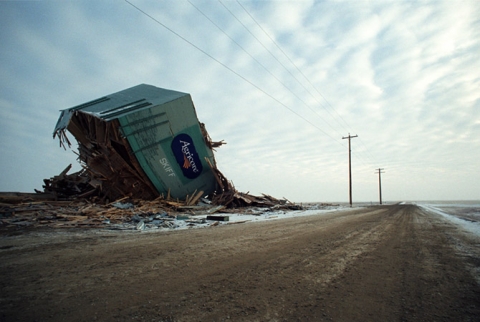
x,y
350,164
380,182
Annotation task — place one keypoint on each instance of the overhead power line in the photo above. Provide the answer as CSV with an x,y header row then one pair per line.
x,y
278,61
245,78
256,60
228,68
368,155
298,69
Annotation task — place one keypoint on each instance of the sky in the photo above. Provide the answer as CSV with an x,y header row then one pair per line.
x,y
282,82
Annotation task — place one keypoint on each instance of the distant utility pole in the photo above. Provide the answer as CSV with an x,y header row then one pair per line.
x,y
350,163
380,182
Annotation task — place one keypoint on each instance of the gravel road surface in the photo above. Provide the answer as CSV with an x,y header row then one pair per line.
x,y
383,263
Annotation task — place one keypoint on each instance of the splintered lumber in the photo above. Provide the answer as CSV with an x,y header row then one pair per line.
x,y
65,171
195,198
113,176
85,214
247,199
110,166
19,197
111,171
174,203
215,209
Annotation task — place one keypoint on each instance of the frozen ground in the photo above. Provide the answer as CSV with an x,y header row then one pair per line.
x,y
199,220
465,214
462,213
382,263
262,215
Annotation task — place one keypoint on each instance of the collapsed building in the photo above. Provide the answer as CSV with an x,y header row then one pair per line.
x,y
141,142
147,162
144,143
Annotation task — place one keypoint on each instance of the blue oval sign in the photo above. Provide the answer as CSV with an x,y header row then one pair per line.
x,y
186,156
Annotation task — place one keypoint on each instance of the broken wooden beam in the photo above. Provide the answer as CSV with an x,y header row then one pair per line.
x,y
218,218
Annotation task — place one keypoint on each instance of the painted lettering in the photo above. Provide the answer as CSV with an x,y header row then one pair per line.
x,y
166,167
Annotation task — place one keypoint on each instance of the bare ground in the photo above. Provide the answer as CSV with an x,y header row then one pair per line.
x,y
390,263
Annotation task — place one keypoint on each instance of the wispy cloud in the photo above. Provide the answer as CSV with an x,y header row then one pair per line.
x,y
401,75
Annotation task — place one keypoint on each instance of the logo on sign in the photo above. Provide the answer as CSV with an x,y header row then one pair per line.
x,y
186,156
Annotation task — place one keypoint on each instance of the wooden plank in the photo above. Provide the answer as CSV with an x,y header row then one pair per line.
x,y
18,197
100,130
195,198
65,171
215,209
218,218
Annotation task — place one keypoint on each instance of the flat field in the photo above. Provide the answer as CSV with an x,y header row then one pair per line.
x,y
382,263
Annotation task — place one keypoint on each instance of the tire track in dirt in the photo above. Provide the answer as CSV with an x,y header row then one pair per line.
x,y
412,275
389,263
273,279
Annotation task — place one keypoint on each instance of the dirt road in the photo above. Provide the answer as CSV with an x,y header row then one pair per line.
x,y
390,263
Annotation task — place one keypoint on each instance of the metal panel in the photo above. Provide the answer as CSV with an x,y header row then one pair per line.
x,y
163,132
150,133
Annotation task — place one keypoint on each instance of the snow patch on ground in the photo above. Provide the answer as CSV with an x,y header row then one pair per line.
x,y
254,215
263,215
471,226
275,215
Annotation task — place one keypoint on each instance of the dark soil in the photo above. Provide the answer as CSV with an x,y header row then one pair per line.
x,y
389,263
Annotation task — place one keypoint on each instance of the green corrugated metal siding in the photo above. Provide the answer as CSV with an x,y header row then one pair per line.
x,y
150,133
150,119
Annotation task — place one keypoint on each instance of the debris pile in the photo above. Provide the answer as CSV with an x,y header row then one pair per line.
x,y
143,146
81,184
64,186
141,142
110,169
19,210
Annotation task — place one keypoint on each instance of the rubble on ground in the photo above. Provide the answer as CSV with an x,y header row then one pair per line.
x,y
146,163
22,210
140,142
78,185
144,143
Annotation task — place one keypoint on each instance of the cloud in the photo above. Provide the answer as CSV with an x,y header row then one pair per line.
x,y
401,75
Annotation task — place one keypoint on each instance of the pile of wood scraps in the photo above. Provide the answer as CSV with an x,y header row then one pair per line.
x,y
235,199
65,185
110,169
85,185
19,210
